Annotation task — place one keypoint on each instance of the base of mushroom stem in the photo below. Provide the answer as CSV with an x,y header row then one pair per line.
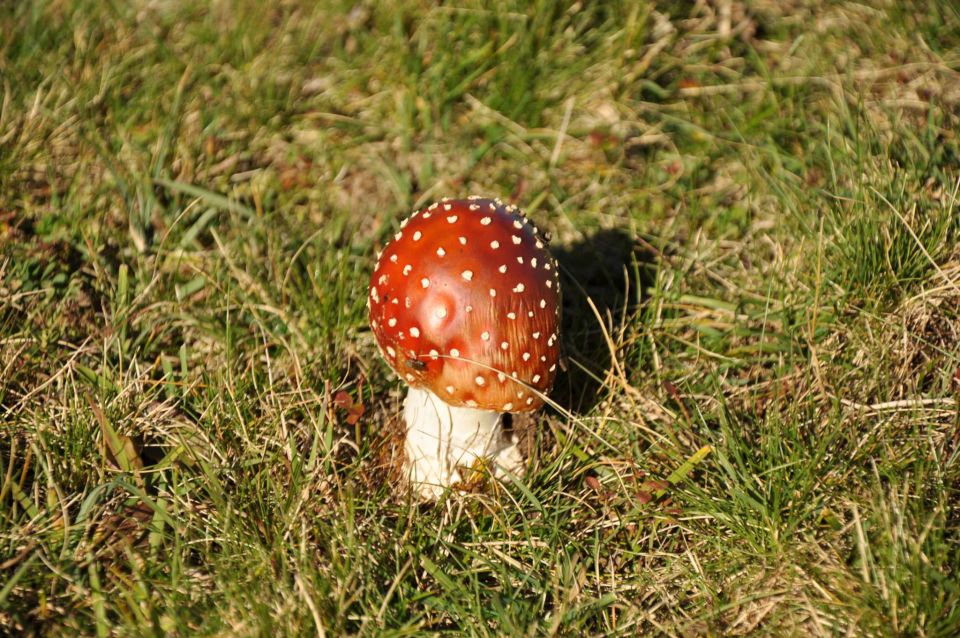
x,y
444,442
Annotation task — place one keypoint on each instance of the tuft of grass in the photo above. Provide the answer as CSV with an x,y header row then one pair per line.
x,y
754,207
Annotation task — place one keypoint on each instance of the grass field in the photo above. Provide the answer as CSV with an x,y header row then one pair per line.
x,y
755,208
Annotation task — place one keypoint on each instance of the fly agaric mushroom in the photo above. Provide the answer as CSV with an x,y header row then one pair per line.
x,y
464,304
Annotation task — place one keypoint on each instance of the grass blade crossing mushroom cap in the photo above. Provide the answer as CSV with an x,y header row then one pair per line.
x,y
465,302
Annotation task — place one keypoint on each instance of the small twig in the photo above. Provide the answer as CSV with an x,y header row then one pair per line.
x,y
902,404
562,133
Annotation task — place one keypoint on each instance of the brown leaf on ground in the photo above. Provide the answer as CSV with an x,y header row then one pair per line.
x,y
124,527
355,409
342,400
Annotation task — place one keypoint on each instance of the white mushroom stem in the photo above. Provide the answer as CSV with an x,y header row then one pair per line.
x,y
443,440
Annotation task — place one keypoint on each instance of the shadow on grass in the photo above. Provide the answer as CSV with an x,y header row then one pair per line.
x,y
610,269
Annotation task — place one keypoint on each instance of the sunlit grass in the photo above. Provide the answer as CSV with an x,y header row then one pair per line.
x,y
754,208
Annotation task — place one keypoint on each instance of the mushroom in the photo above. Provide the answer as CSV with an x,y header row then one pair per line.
x,y
464,304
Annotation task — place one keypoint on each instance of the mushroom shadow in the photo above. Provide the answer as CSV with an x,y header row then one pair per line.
x,y
611,269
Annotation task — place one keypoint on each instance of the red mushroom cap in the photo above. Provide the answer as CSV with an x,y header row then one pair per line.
x,y
465,302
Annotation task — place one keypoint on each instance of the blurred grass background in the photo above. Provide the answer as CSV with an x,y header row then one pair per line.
x,y
755,208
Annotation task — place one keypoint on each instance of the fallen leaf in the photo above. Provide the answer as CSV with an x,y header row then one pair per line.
x,y
654,486
644,497
343,400
355,412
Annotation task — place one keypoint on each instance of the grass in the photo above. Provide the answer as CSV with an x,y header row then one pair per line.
x,y
755,208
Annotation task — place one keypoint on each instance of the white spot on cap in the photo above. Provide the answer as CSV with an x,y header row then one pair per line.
x,y
494,244
414,332
492,207
449,389
549,284
553,367
502,268
517,224
529,313
520,259
467,274
536,378
493,293
485,336
425,282
516,239
529,400
469,308
511,315
382,279
417,235
441,252
392,321
504,345
501,377
454,352
480,380
518,288
432,206
526,356
533,262
486,221
546,266
543,303
539,244
409,377
407,269
474,207
452,219
463,241
447,207
507,407
393,258
426,215
395,301
406,301
391,352
434,354
536,335
398,236
441,312
374,295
